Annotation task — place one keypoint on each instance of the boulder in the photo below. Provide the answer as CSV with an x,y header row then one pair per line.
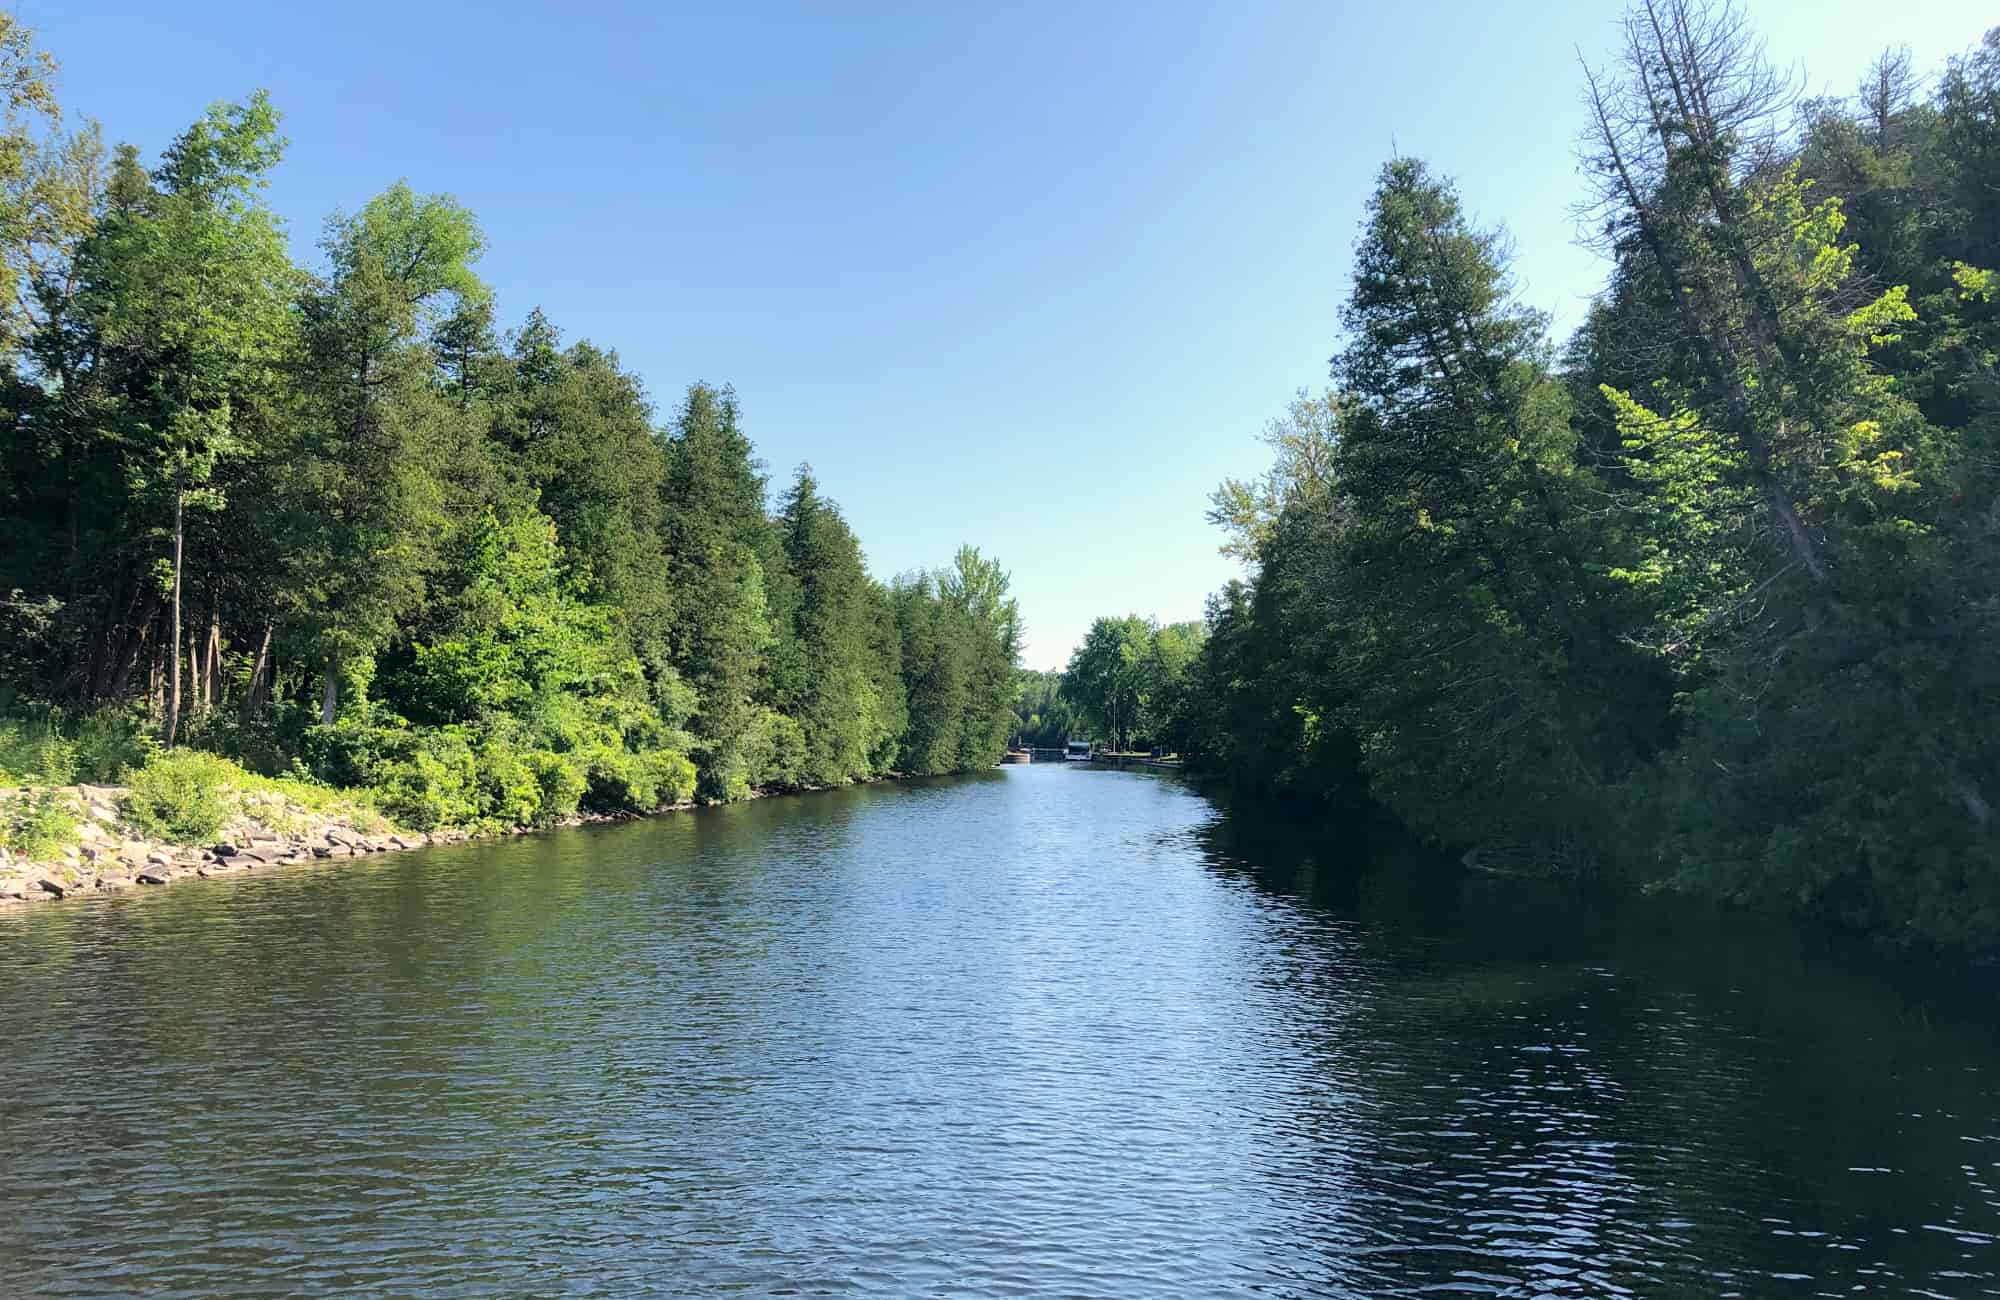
x,y
154,876
51,887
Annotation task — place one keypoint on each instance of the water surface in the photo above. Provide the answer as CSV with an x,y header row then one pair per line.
x,y
1050,1031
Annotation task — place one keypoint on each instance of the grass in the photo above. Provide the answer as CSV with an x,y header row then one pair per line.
x,y
188,796
39,826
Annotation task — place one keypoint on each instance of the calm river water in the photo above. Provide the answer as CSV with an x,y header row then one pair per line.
x,y
1050,1031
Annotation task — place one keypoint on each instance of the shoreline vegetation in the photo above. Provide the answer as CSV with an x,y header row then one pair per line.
x,y
317,537
107,849
1702,599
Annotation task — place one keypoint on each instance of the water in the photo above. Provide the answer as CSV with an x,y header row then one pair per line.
x,y
1046,1032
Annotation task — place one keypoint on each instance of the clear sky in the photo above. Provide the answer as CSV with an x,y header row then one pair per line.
x,y
1031,276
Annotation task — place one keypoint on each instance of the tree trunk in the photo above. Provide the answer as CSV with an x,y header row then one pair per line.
x,y
174,690
260,677
329,700
211,659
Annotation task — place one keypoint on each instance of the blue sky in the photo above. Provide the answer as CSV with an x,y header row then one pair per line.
x,y
1029,276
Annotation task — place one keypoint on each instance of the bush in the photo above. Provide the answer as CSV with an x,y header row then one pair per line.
x,y
672,774
562,783
35,749
509,792
181,797
38,827
438,785
112,743
774,751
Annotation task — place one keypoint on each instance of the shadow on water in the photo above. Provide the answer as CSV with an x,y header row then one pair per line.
x,y
1042,1031
1806,1096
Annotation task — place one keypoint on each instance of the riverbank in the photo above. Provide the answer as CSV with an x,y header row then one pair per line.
x,y
109,855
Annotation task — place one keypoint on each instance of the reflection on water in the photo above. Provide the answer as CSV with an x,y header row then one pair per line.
x,y
1050,1031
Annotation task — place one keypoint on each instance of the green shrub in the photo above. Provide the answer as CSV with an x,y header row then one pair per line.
x,y
438,785
509,792
38,827
181,797
111,743
562,782
774,751
620,781
35,750
672,774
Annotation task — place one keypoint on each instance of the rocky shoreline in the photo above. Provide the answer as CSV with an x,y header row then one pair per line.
x,y
108,858
267,831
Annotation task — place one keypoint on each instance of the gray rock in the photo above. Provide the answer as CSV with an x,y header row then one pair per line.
x,y
51,887
154,876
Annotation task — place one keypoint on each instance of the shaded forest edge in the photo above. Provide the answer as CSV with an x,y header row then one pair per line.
x,y
326,535
193,815
1703,600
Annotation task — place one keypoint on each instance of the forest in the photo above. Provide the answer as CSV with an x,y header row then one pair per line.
x,y
1705,596
332,524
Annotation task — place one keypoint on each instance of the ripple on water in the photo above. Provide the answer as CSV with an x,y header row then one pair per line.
x,y
1047,1033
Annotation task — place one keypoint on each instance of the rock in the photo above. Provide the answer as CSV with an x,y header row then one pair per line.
x,y
91,853
222,850
155,858
103,812
112,884
322,850
154,876
51,887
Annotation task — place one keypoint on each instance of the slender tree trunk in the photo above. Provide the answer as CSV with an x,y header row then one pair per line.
x,y
133,640
174,690
211,659
329,700
260,676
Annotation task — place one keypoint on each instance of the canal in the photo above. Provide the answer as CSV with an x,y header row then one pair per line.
x,y
1048,1031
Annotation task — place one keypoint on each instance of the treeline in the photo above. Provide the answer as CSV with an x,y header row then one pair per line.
x,y
1124,684
1709,596
331,521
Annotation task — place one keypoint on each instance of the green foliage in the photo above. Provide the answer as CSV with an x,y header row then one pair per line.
x,y
1714,608
38,826
1126,681
46,748
181,797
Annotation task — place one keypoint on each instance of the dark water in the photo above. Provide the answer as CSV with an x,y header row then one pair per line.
x,y
1050,1032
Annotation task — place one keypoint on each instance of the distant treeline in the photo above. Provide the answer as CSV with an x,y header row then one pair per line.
x,y
328,521
1709,597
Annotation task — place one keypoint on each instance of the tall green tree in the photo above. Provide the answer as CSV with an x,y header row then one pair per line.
x,y
715,526
370,473
187,285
